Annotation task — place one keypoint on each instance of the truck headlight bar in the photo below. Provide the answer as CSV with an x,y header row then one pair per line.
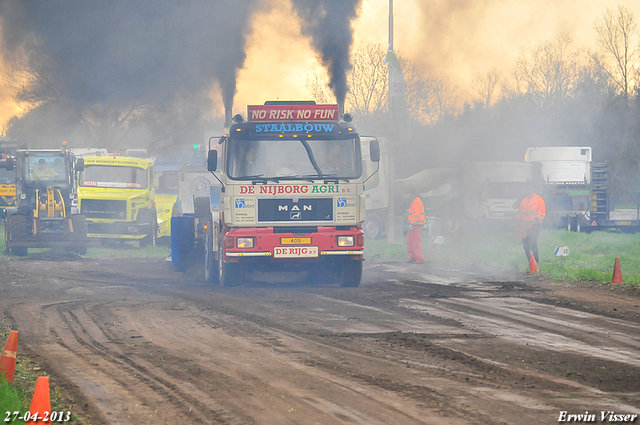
x,y
346,241
244,243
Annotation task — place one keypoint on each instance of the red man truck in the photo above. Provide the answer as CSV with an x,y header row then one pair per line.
x,y
291,198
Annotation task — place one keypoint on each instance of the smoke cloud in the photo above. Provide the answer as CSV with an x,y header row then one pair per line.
x,y
121,52
328,22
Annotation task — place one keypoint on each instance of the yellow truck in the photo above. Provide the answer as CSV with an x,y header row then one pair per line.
x,y
167,195
8,148
7,190
117,195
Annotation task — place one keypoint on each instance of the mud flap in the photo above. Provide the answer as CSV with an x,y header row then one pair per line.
x,y
182,241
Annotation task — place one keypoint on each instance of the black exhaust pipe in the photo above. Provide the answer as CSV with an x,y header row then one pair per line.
x,y
227,117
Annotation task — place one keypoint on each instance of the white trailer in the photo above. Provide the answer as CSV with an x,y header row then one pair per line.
x,y
566,173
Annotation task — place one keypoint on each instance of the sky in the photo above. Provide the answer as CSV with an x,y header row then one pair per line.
x,y
449,39
452,39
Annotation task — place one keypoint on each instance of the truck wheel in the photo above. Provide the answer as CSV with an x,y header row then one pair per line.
x,y
450,224
322,275
202,207
19,231
211,272
6,236
229,274
79,223
152,238
372,227
350,274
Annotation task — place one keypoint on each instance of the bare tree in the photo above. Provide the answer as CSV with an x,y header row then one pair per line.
x,y
368,82
319,89
427,98
548,71
484,86
616,33
105,123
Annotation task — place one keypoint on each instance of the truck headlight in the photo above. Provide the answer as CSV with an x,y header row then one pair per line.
x,y
244,242
346,241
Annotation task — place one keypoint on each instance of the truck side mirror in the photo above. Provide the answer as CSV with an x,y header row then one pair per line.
x,y
212,160
80,164
374,150
7,163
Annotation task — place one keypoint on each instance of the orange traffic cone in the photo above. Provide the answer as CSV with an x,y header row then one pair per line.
x,y
533,266
617,274
8,357
41,403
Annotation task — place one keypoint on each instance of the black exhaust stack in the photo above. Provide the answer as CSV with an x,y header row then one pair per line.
x,y
227,117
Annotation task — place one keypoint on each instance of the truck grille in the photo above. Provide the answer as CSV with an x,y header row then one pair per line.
x,y
103,208
285,210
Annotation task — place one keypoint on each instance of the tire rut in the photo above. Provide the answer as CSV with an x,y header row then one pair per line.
x,y
188,405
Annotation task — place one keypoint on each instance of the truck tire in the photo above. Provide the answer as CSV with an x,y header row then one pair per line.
x,y
229,274
152,238
451,217
80,228
19,231
202,207
211,272
350,274
6,235
373,227
575,224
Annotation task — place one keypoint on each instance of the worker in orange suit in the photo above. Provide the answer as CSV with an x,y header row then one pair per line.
x,y
531,212
417,220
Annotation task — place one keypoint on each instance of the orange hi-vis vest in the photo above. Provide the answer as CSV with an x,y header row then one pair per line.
x,y
532,207
416,213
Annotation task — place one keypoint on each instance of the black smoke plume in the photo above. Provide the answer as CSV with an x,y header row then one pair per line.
x,y
141,52
328,22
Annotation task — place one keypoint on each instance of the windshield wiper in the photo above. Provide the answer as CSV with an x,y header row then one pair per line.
x,y
308,177
312,159
313,177
258,178
333,178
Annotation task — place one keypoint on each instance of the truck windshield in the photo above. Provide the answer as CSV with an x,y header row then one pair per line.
x,y
46,168
168,182
505,190
7,177
281,159
114,176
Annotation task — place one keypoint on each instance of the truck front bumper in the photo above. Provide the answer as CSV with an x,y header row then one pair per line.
x,y
118,230
277,245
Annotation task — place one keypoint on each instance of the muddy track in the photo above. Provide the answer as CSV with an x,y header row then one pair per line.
x,y
412,345
189,407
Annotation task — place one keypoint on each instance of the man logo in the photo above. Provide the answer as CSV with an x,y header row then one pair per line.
x,y
295,208
240,203
295,216
342,202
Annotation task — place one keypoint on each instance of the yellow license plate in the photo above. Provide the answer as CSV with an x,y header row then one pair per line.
x,y
295,241
623,223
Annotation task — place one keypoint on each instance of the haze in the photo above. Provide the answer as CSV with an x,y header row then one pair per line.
x,y
449,40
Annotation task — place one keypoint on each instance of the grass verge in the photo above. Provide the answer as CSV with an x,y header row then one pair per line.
x,y
17,396
591,256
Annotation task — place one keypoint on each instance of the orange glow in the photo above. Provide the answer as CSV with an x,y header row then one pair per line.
x,y
445,39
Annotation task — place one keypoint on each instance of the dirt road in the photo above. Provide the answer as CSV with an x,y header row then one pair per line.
x,y
414,344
